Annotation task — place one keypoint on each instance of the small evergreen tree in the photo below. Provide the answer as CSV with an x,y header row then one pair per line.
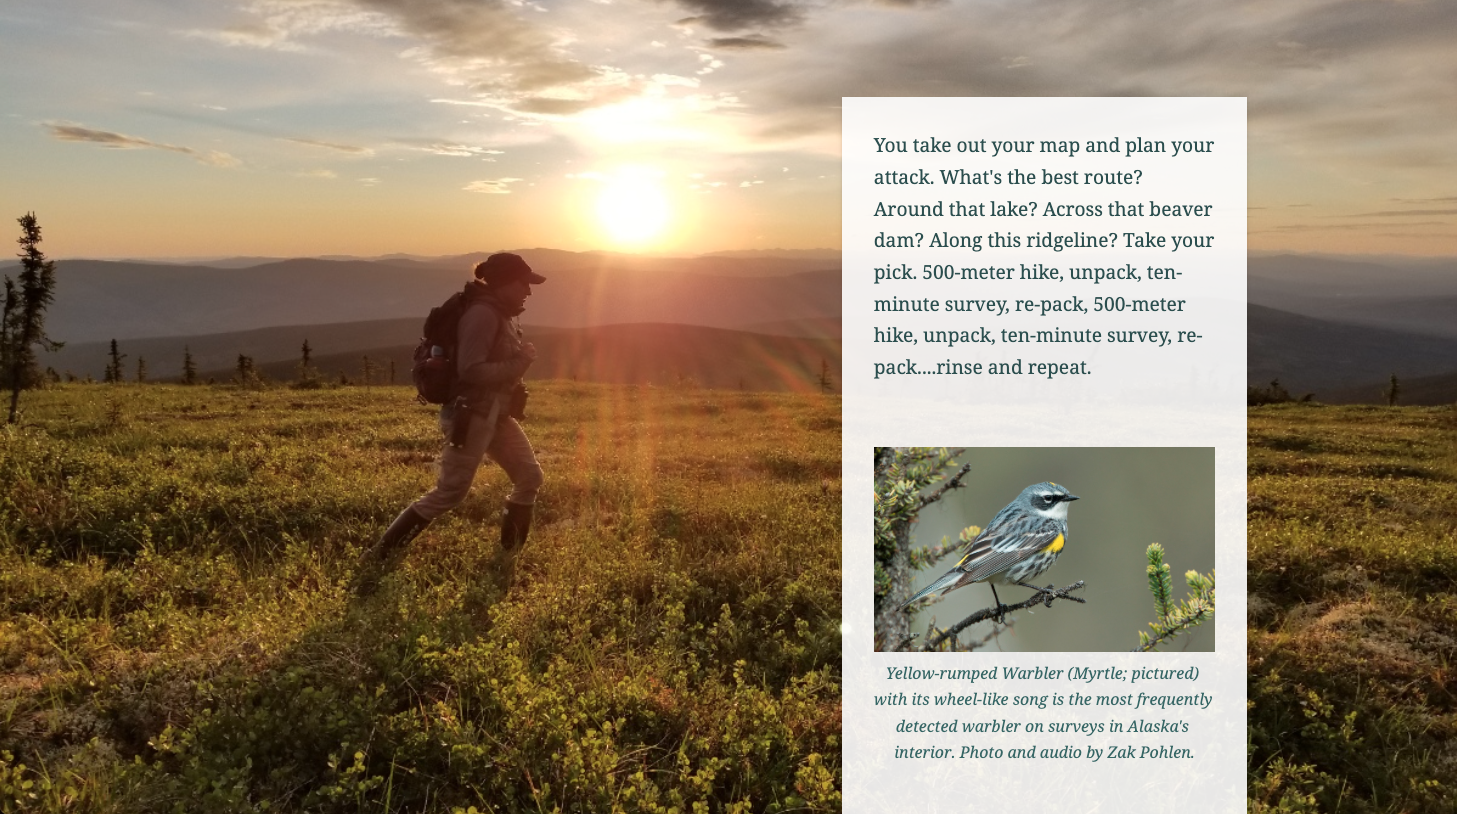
x,y
246,374
825,385
368,370
189,370
113,368
22,325
308,375
1393,390
141,370
907,479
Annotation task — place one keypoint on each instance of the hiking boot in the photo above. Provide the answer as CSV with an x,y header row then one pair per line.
x,y
515,524
383,555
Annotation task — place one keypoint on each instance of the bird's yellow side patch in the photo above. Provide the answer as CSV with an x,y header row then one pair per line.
x,y
1054,546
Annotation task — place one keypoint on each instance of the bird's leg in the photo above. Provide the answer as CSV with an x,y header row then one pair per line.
x,y
1000,617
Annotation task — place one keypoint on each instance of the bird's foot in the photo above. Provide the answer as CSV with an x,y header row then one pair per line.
x,y
1051,592
1047,595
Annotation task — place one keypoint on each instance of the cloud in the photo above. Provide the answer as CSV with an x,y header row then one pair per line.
x,y
737,15
496,49
121,141
329,145
448,148
1403,213
1343,227
280,24
552,106
496,187
750,43
1340,83
465,102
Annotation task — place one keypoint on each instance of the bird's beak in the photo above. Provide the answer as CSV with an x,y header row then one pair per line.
x,y
1069,497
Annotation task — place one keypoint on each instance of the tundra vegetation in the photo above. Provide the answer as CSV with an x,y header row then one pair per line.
x,y
176,632
1352,602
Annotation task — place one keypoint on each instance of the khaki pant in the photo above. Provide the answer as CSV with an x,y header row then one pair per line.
x,y
500,438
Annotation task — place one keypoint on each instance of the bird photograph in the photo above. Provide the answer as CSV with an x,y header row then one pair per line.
x,y
1006,544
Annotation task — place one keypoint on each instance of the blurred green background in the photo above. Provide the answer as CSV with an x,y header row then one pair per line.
x,y
1130,497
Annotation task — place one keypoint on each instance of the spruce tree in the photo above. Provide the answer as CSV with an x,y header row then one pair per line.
x,y
189,370
113,368
12,304
308,376
22,326
247,375
141,370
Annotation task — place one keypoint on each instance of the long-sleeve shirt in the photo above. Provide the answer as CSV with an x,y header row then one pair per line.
x,y
488,357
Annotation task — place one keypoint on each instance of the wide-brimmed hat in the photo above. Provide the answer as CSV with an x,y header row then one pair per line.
x,y
505,267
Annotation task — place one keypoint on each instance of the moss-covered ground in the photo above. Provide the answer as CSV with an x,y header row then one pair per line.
x,y
1352,609
177,633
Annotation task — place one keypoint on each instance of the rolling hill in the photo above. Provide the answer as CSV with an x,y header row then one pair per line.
x,y
1416,297
642,353
341,347
96,301
1321,356
1428,391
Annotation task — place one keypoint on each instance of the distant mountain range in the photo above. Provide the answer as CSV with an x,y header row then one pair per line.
x,y
775,356
1409,298
752,321
1340,328
97,301
1337,328
1320,356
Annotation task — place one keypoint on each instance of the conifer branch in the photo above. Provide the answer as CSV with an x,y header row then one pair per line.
x,y
1174,619
954,482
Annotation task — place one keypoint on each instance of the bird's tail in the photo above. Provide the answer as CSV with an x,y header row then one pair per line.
x,y
947,580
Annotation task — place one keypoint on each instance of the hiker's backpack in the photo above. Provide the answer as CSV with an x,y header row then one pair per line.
x,y
434,367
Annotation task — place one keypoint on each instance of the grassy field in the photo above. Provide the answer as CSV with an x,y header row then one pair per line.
x,y
176,633
1352,609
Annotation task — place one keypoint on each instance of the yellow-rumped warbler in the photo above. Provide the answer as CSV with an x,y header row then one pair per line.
x,y
1021,542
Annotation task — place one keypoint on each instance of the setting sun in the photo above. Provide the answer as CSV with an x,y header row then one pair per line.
x,y
633,207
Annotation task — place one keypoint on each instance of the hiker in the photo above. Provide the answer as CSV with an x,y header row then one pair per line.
x,y
477,421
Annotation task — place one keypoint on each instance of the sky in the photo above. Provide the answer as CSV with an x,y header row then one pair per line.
x,y
161,128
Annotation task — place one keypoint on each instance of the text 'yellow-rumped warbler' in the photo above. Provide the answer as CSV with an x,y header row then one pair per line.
x,y
1021,542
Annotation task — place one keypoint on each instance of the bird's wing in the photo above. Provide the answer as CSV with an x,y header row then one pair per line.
x,y
994,552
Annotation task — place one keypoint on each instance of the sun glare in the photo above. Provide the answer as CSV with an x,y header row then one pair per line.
x,y
633,207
